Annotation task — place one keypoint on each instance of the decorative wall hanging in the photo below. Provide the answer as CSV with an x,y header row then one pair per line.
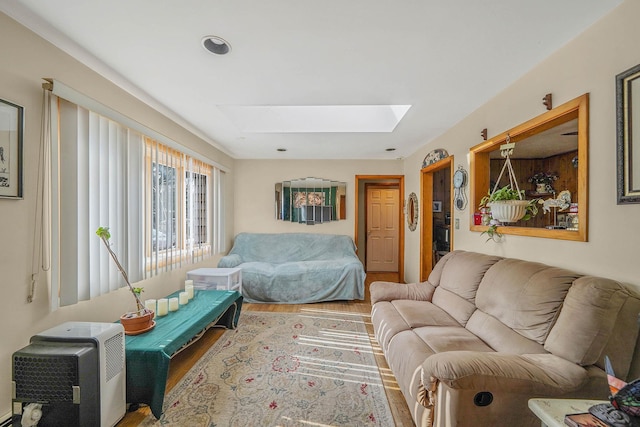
x,y
434,156
412,211
460,180
628,142
11,139
311,200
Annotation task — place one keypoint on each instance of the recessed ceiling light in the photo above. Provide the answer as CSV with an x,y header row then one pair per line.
x,y
215,44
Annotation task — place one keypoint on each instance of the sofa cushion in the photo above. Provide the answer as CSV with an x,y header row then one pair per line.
x,y
457,282
450,338
389,291
525,296
423,313
481,261
586,320
408,350
389,318
624,342
499,336
533,374
405,355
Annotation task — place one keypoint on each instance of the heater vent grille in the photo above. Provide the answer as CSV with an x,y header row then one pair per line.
x,y
114,355
45,379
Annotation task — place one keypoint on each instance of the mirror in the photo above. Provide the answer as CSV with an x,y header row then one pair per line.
x,y
311,200
550,163
628,142
412,211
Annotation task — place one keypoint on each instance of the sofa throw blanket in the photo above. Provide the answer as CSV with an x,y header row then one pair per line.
x,y
296,268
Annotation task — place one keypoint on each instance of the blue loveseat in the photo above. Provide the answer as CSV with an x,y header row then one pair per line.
x,y
296,268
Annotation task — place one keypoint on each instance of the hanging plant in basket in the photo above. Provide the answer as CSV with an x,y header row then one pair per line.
x,y
507,204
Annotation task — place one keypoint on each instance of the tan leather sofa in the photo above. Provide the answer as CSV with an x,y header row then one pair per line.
x,y
484,334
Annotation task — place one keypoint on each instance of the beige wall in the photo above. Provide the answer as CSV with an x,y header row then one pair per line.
x,y
587,64
26,60
255,187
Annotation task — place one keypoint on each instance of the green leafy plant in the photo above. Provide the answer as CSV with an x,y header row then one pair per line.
x,y
104,235
543,178
503,194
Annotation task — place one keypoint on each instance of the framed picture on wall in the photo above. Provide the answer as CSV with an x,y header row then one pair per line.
x,y
437,206
11,138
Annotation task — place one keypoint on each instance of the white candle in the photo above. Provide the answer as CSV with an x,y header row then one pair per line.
x,y
188,288
173,304
183,298
150,304
163,307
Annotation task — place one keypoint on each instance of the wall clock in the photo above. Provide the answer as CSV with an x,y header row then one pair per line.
x,y
459,182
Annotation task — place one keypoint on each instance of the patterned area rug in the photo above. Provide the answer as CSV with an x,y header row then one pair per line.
x,y
311,369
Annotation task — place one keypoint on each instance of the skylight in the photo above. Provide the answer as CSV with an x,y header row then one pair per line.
x,y
315,118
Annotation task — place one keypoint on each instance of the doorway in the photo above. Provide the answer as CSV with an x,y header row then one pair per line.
x,y
379,231
382,227
436,237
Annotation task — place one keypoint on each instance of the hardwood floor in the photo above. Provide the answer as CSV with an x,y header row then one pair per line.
x,y
183,361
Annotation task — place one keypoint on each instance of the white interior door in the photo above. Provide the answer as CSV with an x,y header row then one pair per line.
x,y
383,213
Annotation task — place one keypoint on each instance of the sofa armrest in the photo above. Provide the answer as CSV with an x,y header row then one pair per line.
x,y
534,374
389,291
229,261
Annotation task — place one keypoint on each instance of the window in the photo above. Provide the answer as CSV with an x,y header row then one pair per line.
x,y
163,205
178,207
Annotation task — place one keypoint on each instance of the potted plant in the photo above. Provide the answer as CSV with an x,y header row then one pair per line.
x,y
507,205
140,320
543,181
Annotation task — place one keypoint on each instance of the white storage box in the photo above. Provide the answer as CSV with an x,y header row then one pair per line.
x,y
216,278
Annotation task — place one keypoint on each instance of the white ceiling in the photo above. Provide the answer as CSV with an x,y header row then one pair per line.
x,y
444,58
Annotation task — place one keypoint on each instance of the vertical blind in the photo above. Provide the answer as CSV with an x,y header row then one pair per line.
x,y
162,206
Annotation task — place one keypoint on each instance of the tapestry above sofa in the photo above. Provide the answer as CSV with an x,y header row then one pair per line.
x,y
296,268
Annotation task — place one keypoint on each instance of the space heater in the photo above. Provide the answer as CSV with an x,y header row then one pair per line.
x,y
73,375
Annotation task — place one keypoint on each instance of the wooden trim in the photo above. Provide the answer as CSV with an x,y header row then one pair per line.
x,y
400,184
426,214
426,217
577,108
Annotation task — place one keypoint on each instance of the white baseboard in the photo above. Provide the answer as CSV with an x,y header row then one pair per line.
x,y
5,420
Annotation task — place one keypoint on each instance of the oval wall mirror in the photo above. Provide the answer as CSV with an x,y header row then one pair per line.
x,y
412,211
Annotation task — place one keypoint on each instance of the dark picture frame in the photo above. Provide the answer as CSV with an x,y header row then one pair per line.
x,y
628,142
11,145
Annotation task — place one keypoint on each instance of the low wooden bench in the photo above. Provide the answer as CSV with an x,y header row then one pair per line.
x,y
148,355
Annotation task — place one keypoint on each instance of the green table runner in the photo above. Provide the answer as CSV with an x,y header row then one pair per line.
x,y
148,354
